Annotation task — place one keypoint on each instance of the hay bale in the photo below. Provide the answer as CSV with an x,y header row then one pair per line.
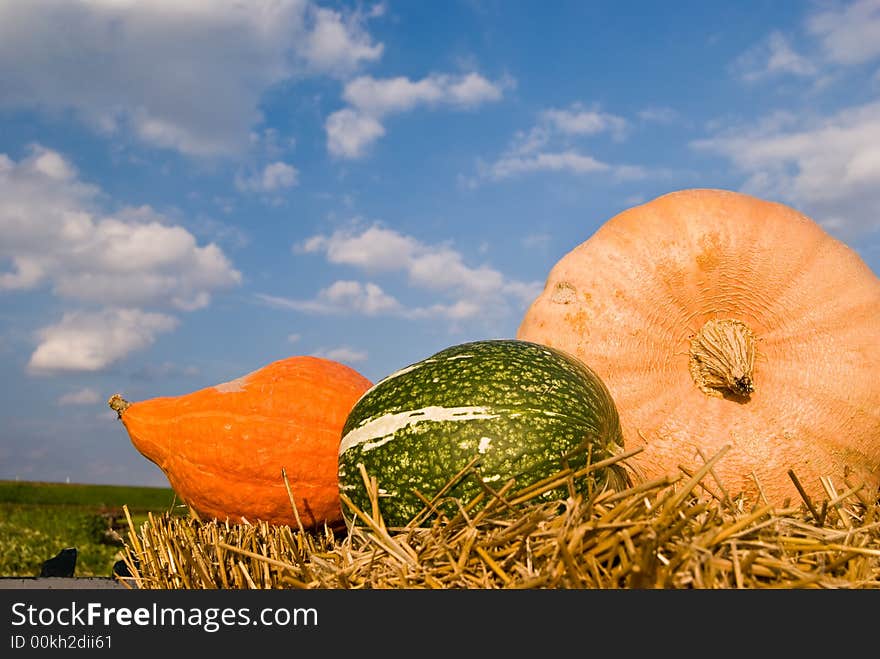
x,y
673,533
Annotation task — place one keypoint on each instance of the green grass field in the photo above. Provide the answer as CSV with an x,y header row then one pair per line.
x,y
37,520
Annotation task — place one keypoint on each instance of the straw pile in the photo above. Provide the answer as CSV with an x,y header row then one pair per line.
x,y
679,532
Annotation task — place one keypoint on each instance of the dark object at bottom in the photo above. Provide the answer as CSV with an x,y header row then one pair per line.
x,y
61,565
120,569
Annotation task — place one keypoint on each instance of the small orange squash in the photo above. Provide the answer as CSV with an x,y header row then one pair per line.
x,y
720,321
223,448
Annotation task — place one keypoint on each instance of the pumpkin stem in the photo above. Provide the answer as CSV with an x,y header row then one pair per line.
x,y
723,357
118,404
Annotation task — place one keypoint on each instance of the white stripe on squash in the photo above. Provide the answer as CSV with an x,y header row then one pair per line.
x,y
381,430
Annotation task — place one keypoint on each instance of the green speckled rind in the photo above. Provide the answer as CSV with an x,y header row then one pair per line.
x,y
520,406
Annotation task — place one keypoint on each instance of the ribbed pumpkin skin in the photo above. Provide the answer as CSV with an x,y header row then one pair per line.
x,y
628,299
223,447
517,405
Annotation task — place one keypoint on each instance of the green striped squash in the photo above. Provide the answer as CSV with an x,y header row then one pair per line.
x,y
523,410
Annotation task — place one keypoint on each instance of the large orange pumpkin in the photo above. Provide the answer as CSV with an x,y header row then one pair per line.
x,y
223,448
720,321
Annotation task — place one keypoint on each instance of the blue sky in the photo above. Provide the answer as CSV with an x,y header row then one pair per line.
x,y
190,190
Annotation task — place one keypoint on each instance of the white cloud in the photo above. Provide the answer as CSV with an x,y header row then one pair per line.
x,y
49,163
179,74
840,36
51,232
555,129
508,166
341,297
850,34
353,129
276,176
658,114
475,291
279,175
338,44
512,165
85,396
443,268
374,249
343,354
773,56
537,240
548,147
578,121
472,89
350,133
91,341
829,165
380,97
460,310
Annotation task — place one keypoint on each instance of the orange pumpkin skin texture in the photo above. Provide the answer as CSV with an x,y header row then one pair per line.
x,y
632,302
223,448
